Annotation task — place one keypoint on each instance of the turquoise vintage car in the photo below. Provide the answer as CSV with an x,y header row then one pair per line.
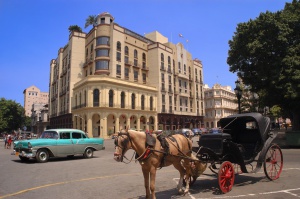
x,y
58,143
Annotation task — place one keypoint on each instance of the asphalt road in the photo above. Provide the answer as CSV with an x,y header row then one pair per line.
x,y
102,177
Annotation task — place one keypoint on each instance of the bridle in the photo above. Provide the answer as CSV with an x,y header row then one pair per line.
x,y
123,146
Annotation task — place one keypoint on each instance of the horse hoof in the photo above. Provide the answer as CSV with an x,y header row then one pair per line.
x,y
180,191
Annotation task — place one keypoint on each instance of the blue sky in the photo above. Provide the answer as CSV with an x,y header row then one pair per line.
x,y
32,31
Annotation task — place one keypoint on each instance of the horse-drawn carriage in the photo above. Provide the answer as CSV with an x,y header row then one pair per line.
x,y
245,145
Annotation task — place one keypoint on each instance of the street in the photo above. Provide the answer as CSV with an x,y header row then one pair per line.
x,y
103,177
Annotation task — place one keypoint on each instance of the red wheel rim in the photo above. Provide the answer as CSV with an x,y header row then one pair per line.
x,y
226,177
273,162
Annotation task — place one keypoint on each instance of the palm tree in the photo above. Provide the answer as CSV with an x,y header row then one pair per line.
x,y
74,28
91,20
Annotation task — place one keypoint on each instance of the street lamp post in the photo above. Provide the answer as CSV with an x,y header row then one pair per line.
x,y
238,93
83,121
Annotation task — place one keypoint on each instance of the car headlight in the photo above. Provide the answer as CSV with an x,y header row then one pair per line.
x,y
29,145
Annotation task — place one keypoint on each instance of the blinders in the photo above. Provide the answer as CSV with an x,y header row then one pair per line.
x,y
123,143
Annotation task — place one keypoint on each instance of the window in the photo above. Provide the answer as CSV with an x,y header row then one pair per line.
x,y
102,65
65,135
122,99
144,77
102,53
162,66
169,64
118,46
118,56
135,54
133,101
118,69
126,73
76,135
144,57
151,103
143,102
111,98
96,97
163,99
179,67
126,50
102,41
126,60
136,75
162,77
184,69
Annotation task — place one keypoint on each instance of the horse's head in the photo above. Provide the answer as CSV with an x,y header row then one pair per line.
x,y
122,144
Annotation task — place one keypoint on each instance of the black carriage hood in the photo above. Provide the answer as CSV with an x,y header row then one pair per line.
x,y
239,121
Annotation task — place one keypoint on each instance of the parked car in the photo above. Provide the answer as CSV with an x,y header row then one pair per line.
x,y
58,143
186,132
197,131
215,130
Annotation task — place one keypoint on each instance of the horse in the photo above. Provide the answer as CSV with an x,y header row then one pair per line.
x,y
152,158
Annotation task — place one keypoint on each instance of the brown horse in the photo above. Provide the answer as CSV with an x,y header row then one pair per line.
x,y
150,159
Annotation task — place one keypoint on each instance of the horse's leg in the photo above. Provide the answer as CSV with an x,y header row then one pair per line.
x,y
146,181
188,173
152,181
181,170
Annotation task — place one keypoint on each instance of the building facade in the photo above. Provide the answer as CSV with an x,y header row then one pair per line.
x,y
113,78
39,118
33,95
220,101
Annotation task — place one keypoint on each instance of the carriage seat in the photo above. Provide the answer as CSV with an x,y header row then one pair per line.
x,y
248,141
214,141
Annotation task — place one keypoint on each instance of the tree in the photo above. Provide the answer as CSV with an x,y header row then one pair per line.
x,y
74,28
265,54
91,20
11,115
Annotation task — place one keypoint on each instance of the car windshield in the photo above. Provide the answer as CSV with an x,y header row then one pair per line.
x,y
49,134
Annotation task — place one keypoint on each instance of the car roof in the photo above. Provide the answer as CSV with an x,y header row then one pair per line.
x,y
64,130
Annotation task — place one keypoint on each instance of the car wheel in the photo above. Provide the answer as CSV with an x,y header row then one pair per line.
x,y
42,156
23,159
88,153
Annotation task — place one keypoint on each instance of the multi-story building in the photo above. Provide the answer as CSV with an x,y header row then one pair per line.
x,y
113,78
33,95
220,101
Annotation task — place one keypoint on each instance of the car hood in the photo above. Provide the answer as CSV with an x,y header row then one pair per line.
x,y
34,142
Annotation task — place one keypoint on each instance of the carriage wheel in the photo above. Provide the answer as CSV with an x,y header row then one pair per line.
x,y
226,177
273,162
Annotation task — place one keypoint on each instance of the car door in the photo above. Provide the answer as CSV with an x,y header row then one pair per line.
x,y
65,144
79,142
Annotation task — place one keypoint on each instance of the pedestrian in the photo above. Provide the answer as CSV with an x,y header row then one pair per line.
x,y
9,142
5,140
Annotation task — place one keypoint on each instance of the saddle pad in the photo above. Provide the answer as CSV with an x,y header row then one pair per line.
x,y
150,140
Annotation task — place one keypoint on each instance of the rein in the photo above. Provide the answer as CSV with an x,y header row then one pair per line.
x,y
123,147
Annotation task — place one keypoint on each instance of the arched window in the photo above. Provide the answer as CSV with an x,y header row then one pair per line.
x,y
85,97
169,64
122,99
126,50
118,46
144,57
162,61
143,102
151,103
133,101
135,54
96,97
111,98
